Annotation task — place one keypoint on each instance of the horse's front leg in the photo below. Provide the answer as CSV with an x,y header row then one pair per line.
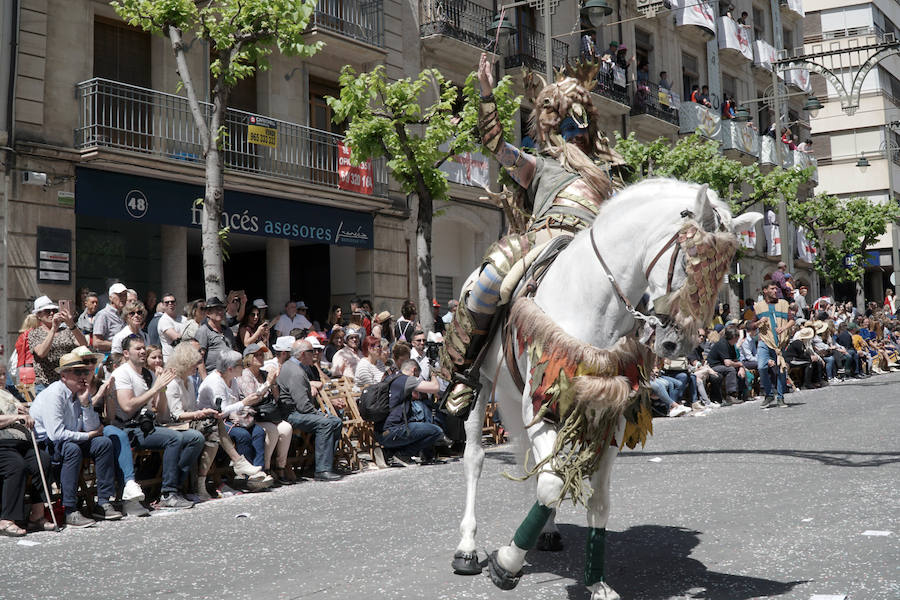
x,y
597,517
465,559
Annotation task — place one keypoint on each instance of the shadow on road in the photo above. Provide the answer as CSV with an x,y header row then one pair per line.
x,y
831,458
652,562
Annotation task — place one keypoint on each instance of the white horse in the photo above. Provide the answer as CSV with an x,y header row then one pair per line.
x,y
634,234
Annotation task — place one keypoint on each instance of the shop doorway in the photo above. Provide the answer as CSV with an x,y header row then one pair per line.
x,y
245,267
311,279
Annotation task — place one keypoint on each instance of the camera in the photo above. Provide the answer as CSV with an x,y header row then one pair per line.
x,y
145,421
433,347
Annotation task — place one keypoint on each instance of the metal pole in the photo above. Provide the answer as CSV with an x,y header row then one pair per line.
x,y
787,256
548,42
895,226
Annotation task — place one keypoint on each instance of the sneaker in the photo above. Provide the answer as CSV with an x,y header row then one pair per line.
x,y
697,406
132,491
243,468
76,519
726,401
768,402
106,512
227,492
780,402
255,485
737,400
133,508
202,494
678,410
175,501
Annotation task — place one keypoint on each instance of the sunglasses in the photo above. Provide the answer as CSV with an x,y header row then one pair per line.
x,y
136,312
81,372
51,311
169,301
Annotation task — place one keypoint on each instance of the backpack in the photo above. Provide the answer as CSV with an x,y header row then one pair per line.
x,y
375,400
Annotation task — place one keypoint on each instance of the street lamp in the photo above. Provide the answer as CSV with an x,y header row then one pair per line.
x,y
500,29
862,163
742,114
813,106
595,11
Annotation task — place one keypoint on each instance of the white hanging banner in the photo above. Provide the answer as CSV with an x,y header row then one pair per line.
x,y
468,168
805,249
773,240
747,238
691,12
734,36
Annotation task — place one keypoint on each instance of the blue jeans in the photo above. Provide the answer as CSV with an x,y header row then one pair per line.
x,y
327,430
678,385
412,438
661,388
70,455
181,449
250,443
829,366
122,448
763,356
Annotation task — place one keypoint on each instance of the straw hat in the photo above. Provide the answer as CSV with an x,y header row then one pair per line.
x,y
805,334
85,353
71,361
819,327
383,316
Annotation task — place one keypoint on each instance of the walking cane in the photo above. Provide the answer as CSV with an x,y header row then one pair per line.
x,y
37,455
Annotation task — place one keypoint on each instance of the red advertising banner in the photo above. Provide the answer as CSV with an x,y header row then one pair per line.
x,y
353,179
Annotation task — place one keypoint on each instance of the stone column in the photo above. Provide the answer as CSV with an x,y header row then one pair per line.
x,y
174,263
278,274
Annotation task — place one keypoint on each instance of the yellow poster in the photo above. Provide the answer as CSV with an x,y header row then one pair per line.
x,y
262,131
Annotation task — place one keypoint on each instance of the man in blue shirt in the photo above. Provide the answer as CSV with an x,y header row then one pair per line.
x,y
66,424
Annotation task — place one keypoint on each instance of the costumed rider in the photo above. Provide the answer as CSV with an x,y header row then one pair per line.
x,y
564,185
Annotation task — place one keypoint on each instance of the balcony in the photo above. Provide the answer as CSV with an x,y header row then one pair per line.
x,y
610,95
694,118
799,78
128,118
700,15
654,111
734,39
741,140
526,49
801,160
349,28
763,55
792,6
453,33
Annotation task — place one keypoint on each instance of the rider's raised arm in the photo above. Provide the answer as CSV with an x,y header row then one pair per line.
x,y
518,164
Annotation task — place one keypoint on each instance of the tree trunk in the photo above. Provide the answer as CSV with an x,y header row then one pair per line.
x,y
425,277
213,203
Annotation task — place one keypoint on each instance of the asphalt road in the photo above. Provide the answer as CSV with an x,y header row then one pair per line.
x,y
743,504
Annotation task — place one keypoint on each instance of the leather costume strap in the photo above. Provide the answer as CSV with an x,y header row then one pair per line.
x,y
489,124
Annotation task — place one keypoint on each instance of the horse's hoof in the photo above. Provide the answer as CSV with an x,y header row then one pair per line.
x,y
466,563
550,541
601,591
502,578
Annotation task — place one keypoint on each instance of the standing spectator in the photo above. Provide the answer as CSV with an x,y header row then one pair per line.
x,y
235,307
800,298
49,341
806,146
335,318
346,359
452,305
263,308
268,412
723,359
86,319
254,329
704,97
138,390
294,388
384,327
589,51
890,304
743,19
779,278
294,317
370,369
401,432
134,317
109,321
67,426
195,314
17,461
774,325
335,343
406,324
152,325
664,82
366,307
213,336
168,327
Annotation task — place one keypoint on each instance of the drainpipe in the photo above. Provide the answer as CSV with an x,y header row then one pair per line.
x,y
10,169
622,41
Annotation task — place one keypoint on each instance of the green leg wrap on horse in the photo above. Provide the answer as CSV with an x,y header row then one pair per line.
x,y
528,532
595,554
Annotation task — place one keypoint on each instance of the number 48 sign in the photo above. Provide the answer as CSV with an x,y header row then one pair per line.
x,y
136,204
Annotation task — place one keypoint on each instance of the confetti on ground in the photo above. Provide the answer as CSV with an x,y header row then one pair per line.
x,y
806,520
876,533
28,543
828,597
655,459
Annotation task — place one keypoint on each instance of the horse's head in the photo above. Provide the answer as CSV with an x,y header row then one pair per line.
x,y
685,269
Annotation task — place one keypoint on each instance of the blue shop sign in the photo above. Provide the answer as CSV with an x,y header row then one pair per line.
x,y
147,200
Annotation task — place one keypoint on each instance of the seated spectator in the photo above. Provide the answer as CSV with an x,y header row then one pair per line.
x,y
663,388
821,347
400,353
253,329
403,432
269,413
17,461
335,343
851,363
335,318
703,373
108,321
213,335
86,319
134,314
295,389
799,354
54,336
406,324
169,326
346,359
195,314
418,353
384,326
69,429
724,360
220,390
294,317
150,327
370,369
138,393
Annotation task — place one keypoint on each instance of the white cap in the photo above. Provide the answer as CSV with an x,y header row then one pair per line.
x,y
283,343
43,303
260,303
314,341
301,305
436,338
117,288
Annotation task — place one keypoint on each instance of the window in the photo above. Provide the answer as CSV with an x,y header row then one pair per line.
x,y
121,53
320,113
443,290
730,85
323,147
643,48
759,24
787,38
690,74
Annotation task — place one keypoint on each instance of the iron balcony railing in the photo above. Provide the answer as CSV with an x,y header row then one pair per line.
x,y
127,117
650,99
526,49
460,19
361,20
612,82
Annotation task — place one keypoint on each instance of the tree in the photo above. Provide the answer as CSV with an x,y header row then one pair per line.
x,y
240,35
699,160
389,119
842,229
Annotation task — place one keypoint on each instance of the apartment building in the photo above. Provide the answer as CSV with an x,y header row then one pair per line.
x,y
859,154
